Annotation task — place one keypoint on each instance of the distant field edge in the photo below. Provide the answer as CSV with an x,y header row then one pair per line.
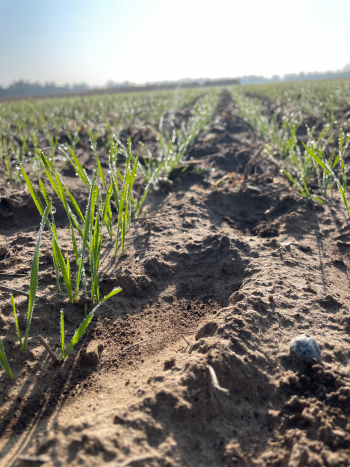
x,y
128,89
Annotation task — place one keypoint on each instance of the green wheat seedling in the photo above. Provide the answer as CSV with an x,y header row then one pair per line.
x,y
81,329
34,273
173,147
150,164
300,183
53,142
59,261
4,362
7,162
150,179
124,211
74,140
328,166
98,211
86,232
61,191
324,99
123,196
303,165
96,239
106,211
326,180
256,114
105,115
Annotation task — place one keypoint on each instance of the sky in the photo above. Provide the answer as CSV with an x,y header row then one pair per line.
x,y
93,41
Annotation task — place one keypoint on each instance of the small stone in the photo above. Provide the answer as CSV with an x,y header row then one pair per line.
x,y
305,347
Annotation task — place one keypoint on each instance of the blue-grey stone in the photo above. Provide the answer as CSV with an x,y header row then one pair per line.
x,y
305,347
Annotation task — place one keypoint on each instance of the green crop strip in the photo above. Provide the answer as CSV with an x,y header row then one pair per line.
x,y
323,99
90,230
305,162
45,122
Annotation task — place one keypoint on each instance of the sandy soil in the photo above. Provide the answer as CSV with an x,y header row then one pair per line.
x,y
190,364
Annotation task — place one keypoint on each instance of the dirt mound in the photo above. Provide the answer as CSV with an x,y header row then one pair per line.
x,y
190,364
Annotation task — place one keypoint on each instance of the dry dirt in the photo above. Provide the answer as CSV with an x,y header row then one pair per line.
x,y
219,277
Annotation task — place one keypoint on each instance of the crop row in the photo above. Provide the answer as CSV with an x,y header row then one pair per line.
x,y
310,159
325,99
90,231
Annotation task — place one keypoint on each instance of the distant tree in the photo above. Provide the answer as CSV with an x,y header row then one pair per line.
x,y
314,75
23,89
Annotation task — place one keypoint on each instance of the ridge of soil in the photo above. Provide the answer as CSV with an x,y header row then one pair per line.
x,y
217,279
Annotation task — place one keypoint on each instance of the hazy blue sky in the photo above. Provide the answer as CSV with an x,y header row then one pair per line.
x,y
146,40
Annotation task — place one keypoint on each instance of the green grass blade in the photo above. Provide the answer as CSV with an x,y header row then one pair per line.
x,y
34,275
8,164
16,322
61,192
79,168
111,153
287,174
75,222
112,293
62,333
100,171
44,192
60,259
120,213
92,207
115,189
68,265
107,215
56,264
75,248
4,362
328,169
66,276
46,162
75,204
52,181
32,191
54,254
85,238
153,178
94,255
81,329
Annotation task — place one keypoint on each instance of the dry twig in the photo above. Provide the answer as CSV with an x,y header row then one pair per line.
x,y
133,345
14,291
49,351
253,161
270,192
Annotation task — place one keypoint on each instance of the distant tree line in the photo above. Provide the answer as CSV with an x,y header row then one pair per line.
x,y
25,89
315,75
22,89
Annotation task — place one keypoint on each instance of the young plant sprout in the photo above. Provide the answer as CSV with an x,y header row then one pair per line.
x,y
34,273
315,161
81,329
4,362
